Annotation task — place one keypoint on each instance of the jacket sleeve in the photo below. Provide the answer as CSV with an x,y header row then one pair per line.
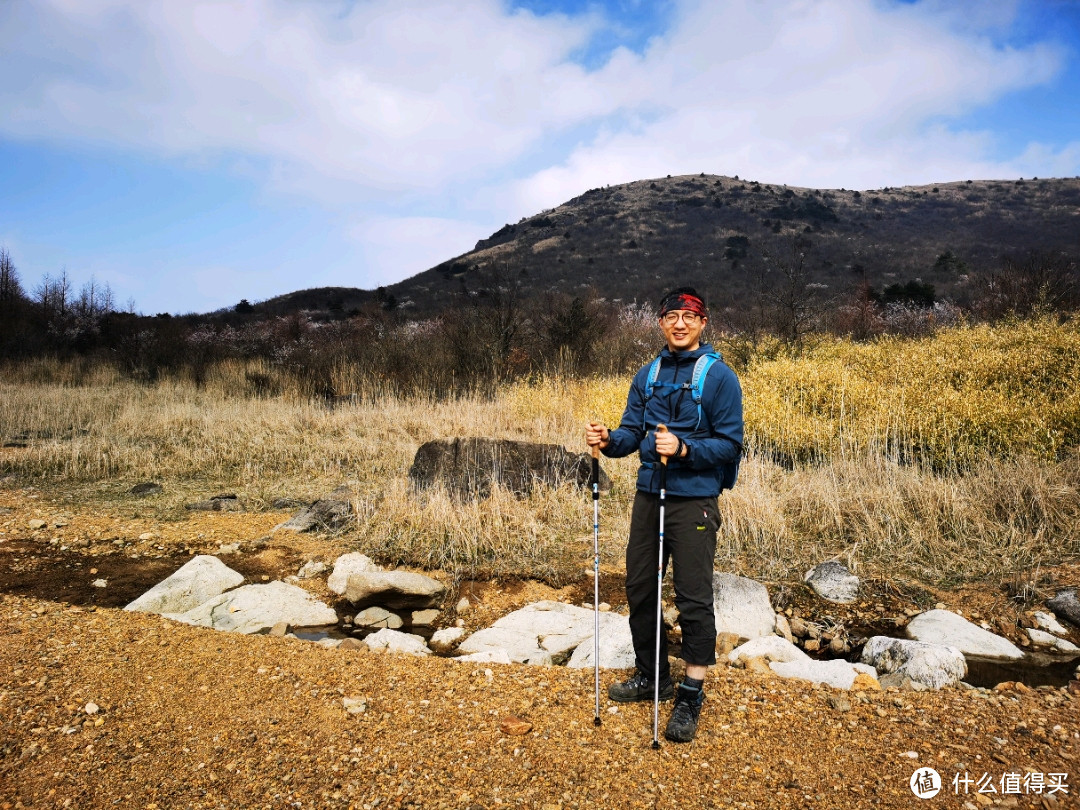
x,y
626,439
723,407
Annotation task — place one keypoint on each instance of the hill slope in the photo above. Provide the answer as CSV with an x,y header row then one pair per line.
x,y
727,236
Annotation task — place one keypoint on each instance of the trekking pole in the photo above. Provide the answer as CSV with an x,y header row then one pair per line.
x,y
659,606
596,574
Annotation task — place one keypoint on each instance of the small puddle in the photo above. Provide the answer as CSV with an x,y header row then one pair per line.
x,y
1034,669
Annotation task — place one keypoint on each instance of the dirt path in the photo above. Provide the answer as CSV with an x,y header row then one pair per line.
x,y
184,717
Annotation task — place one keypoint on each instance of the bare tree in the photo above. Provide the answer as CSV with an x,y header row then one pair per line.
x,y
11,290
795,299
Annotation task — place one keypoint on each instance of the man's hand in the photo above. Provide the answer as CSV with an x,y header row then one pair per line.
x,y
597,435
667,443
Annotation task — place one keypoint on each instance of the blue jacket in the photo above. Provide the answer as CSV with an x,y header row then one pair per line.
x,y
715,445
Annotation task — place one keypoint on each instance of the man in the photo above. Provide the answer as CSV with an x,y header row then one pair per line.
x,y
702,445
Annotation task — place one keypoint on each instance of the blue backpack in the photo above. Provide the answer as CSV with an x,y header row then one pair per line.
x,y
696,384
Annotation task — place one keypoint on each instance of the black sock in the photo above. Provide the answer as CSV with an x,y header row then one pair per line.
x,y
692,684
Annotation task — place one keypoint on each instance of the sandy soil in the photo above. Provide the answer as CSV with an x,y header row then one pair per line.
x,y
100,708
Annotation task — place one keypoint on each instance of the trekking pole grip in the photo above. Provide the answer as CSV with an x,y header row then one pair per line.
x,y
662,429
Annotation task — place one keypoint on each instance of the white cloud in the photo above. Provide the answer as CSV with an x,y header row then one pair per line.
x,y
370,106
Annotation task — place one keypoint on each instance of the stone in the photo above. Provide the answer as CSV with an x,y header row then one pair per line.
x,y
742,606
394,589
836,673
1049,623
931,665
91,708
354,705
442,641
833,582
469,467
279,630
377,617
257,608
145,489
352,644
1066,606
1049,640
424,618
771,648
463,605
345,566
839,703
331,513
865,683
218,503
394,641
488,657
312,568
100,583
37,523
544,632
514,726
199,580
783,628
616,645
943,627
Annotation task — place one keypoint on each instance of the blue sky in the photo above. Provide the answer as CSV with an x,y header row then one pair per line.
x,y
191,154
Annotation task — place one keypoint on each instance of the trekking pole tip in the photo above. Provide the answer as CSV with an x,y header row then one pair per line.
x,y
596,721
655,745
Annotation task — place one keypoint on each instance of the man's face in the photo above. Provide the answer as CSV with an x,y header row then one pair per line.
x,y
682,329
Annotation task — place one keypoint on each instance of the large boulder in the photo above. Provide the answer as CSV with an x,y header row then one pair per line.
x,y
394,589
616,645
257,608
331,513
742,607
199,580
833,582
1066,606
544,633
468,467
945,628
345,566
931,665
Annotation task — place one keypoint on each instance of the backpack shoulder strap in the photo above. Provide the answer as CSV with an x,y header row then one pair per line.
x,y
650,384
697,384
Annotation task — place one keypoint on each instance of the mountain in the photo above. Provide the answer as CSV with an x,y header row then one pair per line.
x,y
732,238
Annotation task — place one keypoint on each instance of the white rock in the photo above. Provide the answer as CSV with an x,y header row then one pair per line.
x,y
742,607
257,608
91,708
377,617
487,657
932,665
947,629
771,648
424,618
395,641
312,568
100,583
354,705
616,645
536,633
394,589
348,564
1050,640
199,580
832,581
837,673
463,605
1049,623
445,639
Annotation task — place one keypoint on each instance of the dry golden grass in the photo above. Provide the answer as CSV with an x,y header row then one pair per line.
x,y
990,489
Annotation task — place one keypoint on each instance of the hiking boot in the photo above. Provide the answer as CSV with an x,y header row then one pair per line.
x,y
639,687
684,715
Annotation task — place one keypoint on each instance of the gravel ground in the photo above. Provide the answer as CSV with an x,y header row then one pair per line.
x,y
100,708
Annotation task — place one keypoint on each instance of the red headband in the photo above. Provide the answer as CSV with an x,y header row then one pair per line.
x,y
690,303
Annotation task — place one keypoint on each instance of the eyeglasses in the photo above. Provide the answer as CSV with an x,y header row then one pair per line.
x,y
689,318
